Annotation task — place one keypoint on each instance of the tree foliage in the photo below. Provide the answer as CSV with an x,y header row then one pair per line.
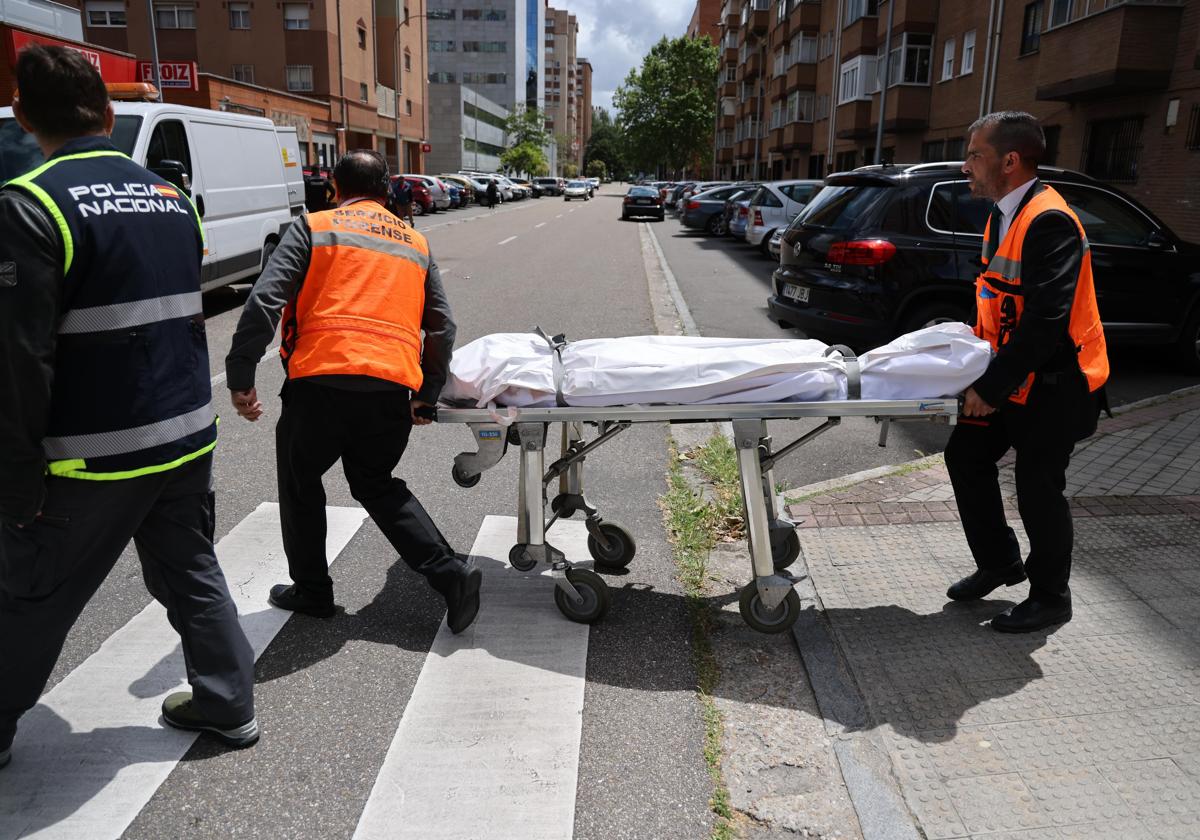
x,y
526,125
596,169
525,158
605,145
668,106
570,170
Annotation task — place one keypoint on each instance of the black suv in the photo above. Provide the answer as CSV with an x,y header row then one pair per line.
x,y
882,251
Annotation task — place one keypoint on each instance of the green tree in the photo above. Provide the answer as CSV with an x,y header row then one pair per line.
x,y
605,144
570,170
596,169
526,126
668,106
525,158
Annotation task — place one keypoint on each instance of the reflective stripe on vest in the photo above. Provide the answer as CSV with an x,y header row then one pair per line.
x,y
1000,300
124,441
118,316
359,308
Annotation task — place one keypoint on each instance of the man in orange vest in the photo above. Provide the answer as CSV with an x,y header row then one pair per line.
x,y
1041,394
357,287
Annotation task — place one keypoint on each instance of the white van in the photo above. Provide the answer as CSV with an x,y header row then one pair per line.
x,y
234,166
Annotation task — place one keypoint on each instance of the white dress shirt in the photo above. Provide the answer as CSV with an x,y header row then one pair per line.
x,y
1008,208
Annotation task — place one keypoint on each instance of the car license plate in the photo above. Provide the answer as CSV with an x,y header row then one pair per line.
x,y
799,293
645,201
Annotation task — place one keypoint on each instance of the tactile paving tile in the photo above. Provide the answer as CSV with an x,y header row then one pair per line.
x,y
1054,743
1089,586
1177,728
929,802
1127,829
1006,701
995,803
1116,618
956,753
1076,795
1184,613
1154,789
1032,834
1170,649
933,707
1146,688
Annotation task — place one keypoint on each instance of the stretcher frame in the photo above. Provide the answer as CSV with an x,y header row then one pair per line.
x,y
768,603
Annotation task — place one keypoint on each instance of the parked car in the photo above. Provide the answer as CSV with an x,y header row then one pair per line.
x,y
672,197
706,210
456,195
437,190
595,182
422,198
774,206
472,192
739,215
642,201
774,244
883,251
576,189
548,185
531,187
693,190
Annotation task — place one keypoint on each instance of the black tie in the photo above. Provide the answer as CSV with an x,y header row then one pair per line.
x,y
995,219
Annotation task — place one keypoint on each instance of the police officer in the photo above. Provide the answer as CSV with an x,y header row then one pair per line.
x,y
1040,395
106,420
357,288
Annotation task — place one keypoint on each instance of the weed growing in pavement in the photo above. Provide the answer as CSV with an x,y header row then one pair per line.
x,y
696,521
902,469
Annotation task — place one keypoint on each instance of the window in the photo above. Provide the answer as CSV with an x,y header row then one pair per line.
x,y
909,62
1111,149
799,193
857,80
932,150
765,198
822,111
105,13
948,59
856,9
362,91
362,37
781,9
826,45
485,46
243,73
239,15
1192,142
1060,12
408,107
295,16
776,115
169,142
952,209
793,106
1031,29
441,46
299,77
780,57
968,59
175,17
442,14
1052,133
407,61
1107,219
954,148
846,160
816,166
807,50
443,78
731,73
485,14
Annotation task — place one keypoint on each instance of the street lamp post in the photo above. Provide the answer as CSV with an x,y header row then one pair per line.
x,y
396,75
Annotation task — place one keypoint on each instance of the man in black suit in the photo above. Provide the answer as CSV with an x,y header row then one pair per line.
x,y
1040,395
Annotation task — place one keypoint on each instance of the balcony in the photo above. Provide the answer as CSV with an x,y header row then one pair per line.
x,y
728,89
854,120
1117,52
773,142
753,66
859,37
760,21
728,121
802,76
797,135
806,15
731,55
725,155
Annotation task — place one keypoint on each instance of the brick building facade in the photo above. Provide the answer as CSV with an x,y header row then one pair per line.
x,y
1116,84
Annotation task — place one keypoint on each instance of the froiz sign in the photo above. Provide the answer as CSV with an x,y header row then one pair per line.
x,y
172,74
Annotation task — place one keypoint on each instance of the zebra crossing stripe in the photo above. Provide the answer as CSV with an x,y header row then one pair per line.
x,y
488,745
90,755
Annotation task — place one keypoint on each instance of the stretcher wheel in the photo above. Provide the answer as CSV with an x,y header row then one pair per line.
x,y
621,550
595,597
785,552
765,620
464,480
557,502
520,558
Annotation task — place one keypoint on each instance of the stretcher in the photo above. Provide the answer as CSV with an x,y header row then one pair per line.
x,y
768,603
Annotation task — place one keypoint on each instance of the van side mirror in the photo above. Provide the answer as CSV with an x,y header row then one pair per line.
x,y
173,172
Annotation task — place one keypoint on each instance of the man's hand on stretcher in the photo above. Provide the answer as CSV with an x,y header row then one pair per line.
x,y
246,404
974,406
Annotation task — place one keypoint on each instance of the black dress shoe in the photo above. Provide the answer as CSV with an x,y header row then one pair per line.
x,y
982,582
1030,615
462,601
290,598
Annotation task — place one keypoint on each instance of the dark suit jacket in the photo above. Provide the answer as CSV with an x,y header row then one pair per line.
x,y
1041,343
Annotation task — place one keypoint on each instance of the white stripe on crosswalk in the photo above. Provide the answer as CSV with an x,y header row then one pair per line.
x,y
91,754
488,746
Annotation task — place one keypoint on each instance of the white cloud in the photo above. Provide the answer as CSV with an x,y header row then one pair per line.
x,y
615,36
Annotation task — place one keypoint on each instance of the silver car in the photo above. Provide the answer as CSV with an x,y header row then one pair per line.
x,y
774,206
439,194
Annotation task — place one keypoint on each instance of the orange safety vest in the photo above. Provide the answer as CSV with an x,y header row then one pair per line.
x,y
999,300
359,308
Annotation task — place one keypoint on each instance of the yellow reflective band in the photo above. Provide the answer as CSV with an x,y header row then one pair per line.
x,y
78,468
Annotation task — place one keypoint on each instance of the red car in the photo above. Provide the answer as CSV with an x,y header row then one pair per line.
x,y
422,200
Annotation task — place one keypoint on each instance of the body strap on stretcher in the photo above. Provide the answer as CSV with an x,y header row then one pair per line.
x,y
853,369
557,344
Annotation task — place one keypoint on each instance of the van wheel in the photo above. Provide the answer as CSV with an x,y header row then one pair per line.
x,y
1189,343
929,314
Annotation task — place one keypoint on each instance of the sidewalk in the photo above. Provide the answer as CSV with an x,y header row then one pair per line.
x,y
1091,730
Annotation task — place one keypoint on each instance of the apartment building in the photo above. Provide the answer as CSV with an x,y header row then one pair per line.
x,y
562,74
583,105
279,59
705,20
1116,84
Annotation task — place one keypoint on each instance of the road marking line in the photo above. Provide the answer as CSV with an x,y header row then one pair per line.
x,y
540,224
93,751
489,742
506,241
559,216
685,314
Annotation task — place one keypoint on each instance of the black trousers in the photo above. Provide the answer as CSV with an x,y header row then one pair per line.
x,y
369,431
1043,433
51,569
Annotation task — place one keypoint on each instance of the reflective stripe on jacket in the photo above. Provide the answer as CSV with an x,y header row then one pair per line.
x,y
359,308
1000,301
131,392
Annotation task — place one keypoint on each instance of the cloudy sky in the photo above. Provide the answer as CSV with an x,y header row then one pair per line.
x,y
616,34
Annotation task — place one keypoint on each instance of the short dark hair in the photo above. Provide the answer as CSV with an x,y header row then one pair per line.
x,y
362,172
1014,131
61,93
